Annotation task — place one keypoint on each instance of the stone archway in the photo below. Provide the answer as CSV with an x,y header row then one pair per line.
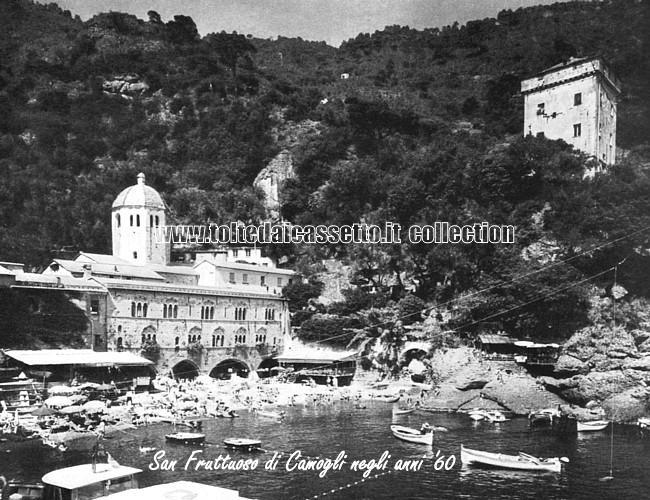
x,y
267,367
185,370
229,367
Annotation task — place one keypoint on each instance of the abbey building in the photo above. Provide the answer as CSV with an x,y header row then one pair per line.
x,y
220,313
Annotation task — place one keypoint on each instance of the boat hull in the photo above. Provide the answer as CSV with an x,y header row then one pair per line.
x,y
185,438
597,425
513,462
243,444
411,435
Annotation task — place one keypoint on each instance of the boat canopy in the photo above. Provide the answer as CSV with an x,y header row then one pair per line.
x,y
72,478
87,357
179,489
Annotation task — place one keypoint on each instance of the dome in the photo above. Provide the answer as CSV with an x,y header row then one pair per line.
x,y
139,195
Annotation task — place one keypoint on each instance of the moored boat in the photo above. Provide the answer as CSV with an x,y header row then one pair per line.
x,y
424,436
402,411
593,425
243,444
522,461
186,438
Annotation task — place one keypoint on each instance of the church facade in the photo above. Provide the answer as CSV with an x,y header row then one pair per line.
x,y
221,314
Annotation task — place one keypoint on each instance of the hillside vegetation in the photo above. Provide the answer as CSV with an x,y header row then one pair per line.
x,y
427,127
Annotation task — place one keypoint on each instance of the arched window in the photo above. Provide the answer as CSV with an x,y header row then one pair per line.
x,y
177,340
137,220
119,342
117,219
139,310
202,312
133,309
164,310
175,311
144,310
214,341
151,221
154,337
144,338
131,220
212,313
157,221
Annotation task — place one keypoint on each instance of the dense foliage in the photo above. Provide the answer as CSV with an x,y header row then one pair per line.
x,y
415,127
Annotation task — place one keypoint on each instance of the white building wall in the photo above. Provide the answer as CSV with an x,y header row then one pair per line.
x,y
589,124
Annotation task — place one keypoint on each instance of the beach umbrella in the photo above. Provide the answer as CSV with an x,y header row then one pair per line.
x,y
94,406
78,398
58,401
60,389
43,411
69,410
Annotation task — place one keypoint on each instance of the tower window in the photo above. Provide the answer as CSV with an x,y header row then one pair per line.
x,y
151,221
135,255
577,130
131,220
117,219
577,99
137,220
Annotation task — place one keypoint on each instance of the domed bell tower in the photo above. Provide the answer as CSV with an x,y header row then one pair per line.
x,y
138,218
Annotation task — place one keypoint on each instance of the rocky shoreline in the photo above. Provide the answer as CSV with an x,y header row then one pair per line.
x,y
601,373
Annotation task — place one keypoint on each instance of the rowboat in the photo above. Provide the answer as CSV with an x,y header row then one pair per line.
x,y
523,461
186,437
413,435
593,425
402,411
243,444
269,414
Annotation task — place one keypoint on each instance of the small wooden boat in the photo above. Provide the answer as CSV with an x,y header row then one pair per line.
x,y
495,416
186,438
593,425
523,461
270,414
476,415
402,411
413,435
243,444
388,399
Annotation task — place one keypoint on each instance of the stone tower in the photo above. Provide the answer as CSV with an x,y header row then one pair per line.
x,y
574,101
138,214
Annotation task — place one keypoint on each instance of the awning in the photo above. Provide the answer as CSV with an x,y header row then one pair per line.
x,y
314,356
496,339
87,357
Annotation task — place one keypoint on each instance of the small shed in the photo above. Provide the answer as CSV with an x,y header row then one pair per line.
x,y
497,345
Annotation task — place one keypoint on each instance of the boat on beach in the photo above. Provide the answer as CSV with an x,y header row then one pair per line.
x,y
186,438
592,425
425,436
243,444
522,461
